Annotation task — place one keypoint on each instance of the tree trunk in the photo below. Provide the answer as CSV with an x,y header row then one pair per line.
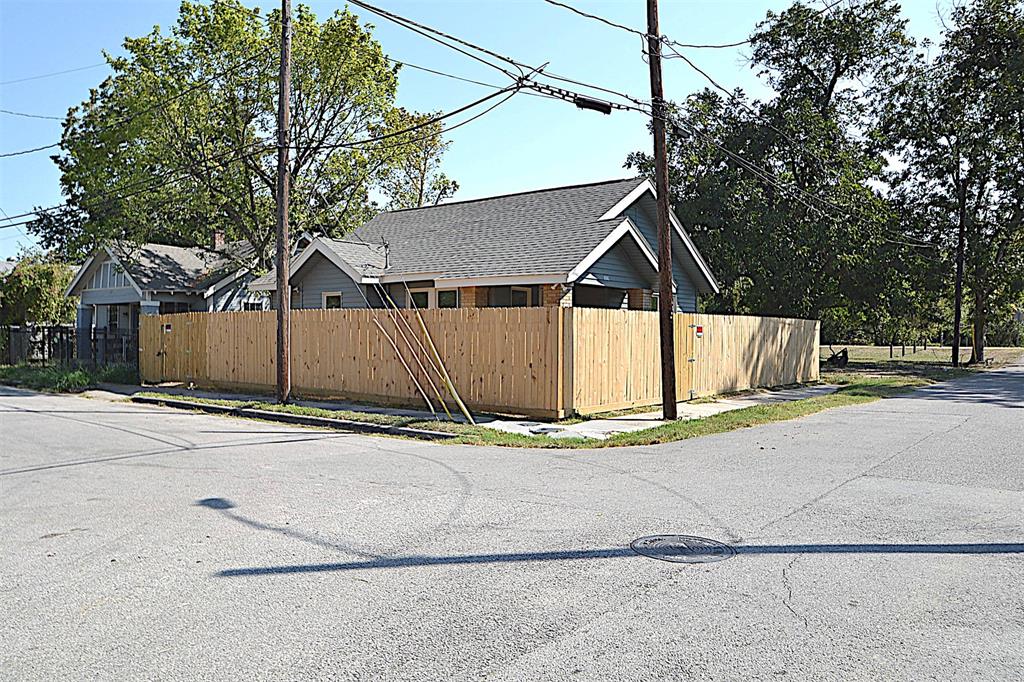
x,y
980,319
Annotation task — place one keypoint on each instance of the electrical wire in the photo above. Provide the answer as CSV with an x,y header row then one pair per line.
x,y
24,115
438,36
168,178
158,105
52,74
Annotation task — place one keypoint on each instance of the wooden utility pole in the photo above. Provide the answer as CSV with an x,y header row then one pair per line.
x,y
284,290
665,294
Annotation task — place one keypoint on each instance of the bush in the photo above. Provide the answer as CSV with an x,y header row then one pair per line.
x,y
66,379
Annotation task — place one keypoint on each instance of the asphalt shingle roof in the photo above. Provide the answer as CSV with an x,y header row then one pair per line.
x,y
161,267
541,232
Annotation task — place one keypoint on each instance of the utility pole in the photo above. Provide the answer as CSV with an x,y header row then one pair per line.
x,y
665,298
284,290
958,287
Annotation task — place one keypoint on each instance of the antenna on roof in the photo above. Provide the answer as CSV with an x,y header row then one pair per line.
x,y
387,247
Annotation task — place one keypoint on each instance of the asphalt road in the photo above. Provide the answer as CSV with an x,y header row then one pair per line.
x,y
876,542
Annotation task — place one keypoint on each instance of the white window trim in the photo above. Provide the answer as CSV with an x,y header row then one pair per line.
x,y
431,297
325,294
458,296
529,295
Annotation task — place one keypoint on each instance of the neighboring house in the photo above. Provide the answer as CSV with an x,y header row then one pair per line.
x,y
118,284
591,245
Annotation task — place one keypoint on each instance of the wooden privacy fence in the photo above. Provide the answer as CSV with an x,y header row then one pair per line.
x,y
547,362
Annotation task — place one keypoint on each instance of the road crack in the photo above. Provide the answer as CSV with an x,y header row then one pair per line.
x,y
788,599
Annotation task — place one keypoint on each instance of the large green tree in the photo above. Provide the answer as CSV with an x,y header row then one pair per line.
x,y
782,194
179,142
956,125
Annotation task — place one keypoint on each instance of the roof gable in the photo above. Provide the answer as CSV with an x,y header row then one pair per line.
x,y
162,267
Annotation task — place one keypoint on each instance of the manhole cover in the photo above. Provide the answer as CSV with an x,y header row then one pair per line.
x,y
683,549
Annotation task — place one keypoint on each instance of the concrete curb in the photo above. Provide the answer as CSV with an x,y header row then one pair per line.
x,y
300,419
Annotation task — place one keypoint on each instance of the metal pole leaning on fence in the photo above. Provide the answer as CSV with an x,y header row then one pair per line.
x,y
396,315
447,378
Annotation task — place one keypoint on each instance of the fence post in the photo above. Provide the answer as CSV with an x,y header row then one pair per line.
x,y
566,334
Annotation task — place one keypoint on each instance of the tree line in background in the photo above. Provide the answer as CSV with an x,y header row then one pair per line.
x,y
180,141
843,196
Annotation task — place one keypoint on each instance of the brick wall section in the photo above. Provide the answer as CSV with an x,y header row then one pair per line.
x,y
473,297
554,295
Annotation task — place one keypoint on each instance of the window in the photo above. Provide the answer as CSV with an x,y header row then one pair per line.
x,y
419,298
174,307
448,298
654,301
520,297
109,275
252,305
331,299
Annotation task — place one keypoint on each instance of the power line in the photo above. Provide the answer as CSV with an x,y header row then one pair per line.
x,y
167,179
23,114
441,37
54,73
740,43
158,105
437,35
161,181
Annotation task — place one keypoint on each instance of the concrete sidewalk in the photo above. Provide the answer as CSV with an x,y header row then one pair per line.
x,y
604,428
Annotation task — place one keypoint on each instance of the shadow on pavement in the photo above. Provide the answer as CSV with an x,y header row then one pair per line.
x,y
1003,387
623,552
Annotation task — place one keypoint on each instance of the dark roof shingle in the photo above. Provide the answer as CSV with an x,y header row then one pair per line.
x,y
542,232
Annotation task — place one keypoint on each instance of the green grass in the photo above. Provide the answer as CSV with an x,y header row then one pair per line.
x,y
64,378
856,388
935,355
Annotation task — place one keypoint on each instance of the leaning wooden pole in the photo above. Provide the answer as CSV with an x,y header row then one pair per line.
x,y
440,363
396,316
401,359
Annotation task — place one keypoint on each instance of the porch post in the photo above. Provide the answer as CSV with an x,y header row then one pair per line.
x,y
83,332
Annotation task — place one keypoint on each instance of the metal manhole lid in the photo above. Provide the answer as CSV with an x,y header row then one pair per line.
x,y
683,549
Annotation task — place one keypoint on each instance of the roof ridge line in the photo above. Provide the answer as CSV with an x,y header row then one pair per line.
x,y
516,194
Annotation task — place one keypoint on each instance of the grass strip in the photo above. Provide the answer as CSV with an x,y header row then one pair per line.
x,y
856,389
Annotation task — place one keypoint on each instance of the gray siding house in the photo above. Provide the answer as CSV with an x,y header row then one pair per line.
x,y
588,245
117,284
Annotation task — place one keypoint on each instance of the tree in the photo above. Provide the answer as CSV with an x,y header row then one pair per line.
x,y
33,292
957,125
782,195
416,180
179,141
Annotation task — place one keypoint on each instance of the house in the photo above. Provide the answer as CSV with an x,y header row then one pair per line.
x,y
117,284
590,245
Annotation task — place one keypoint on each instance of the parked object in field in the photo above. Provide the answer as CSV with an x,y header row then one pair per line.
x,y
838,359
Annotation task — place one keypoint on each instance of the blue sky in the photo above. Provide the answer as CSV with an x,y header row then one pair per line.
x,y
527,143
